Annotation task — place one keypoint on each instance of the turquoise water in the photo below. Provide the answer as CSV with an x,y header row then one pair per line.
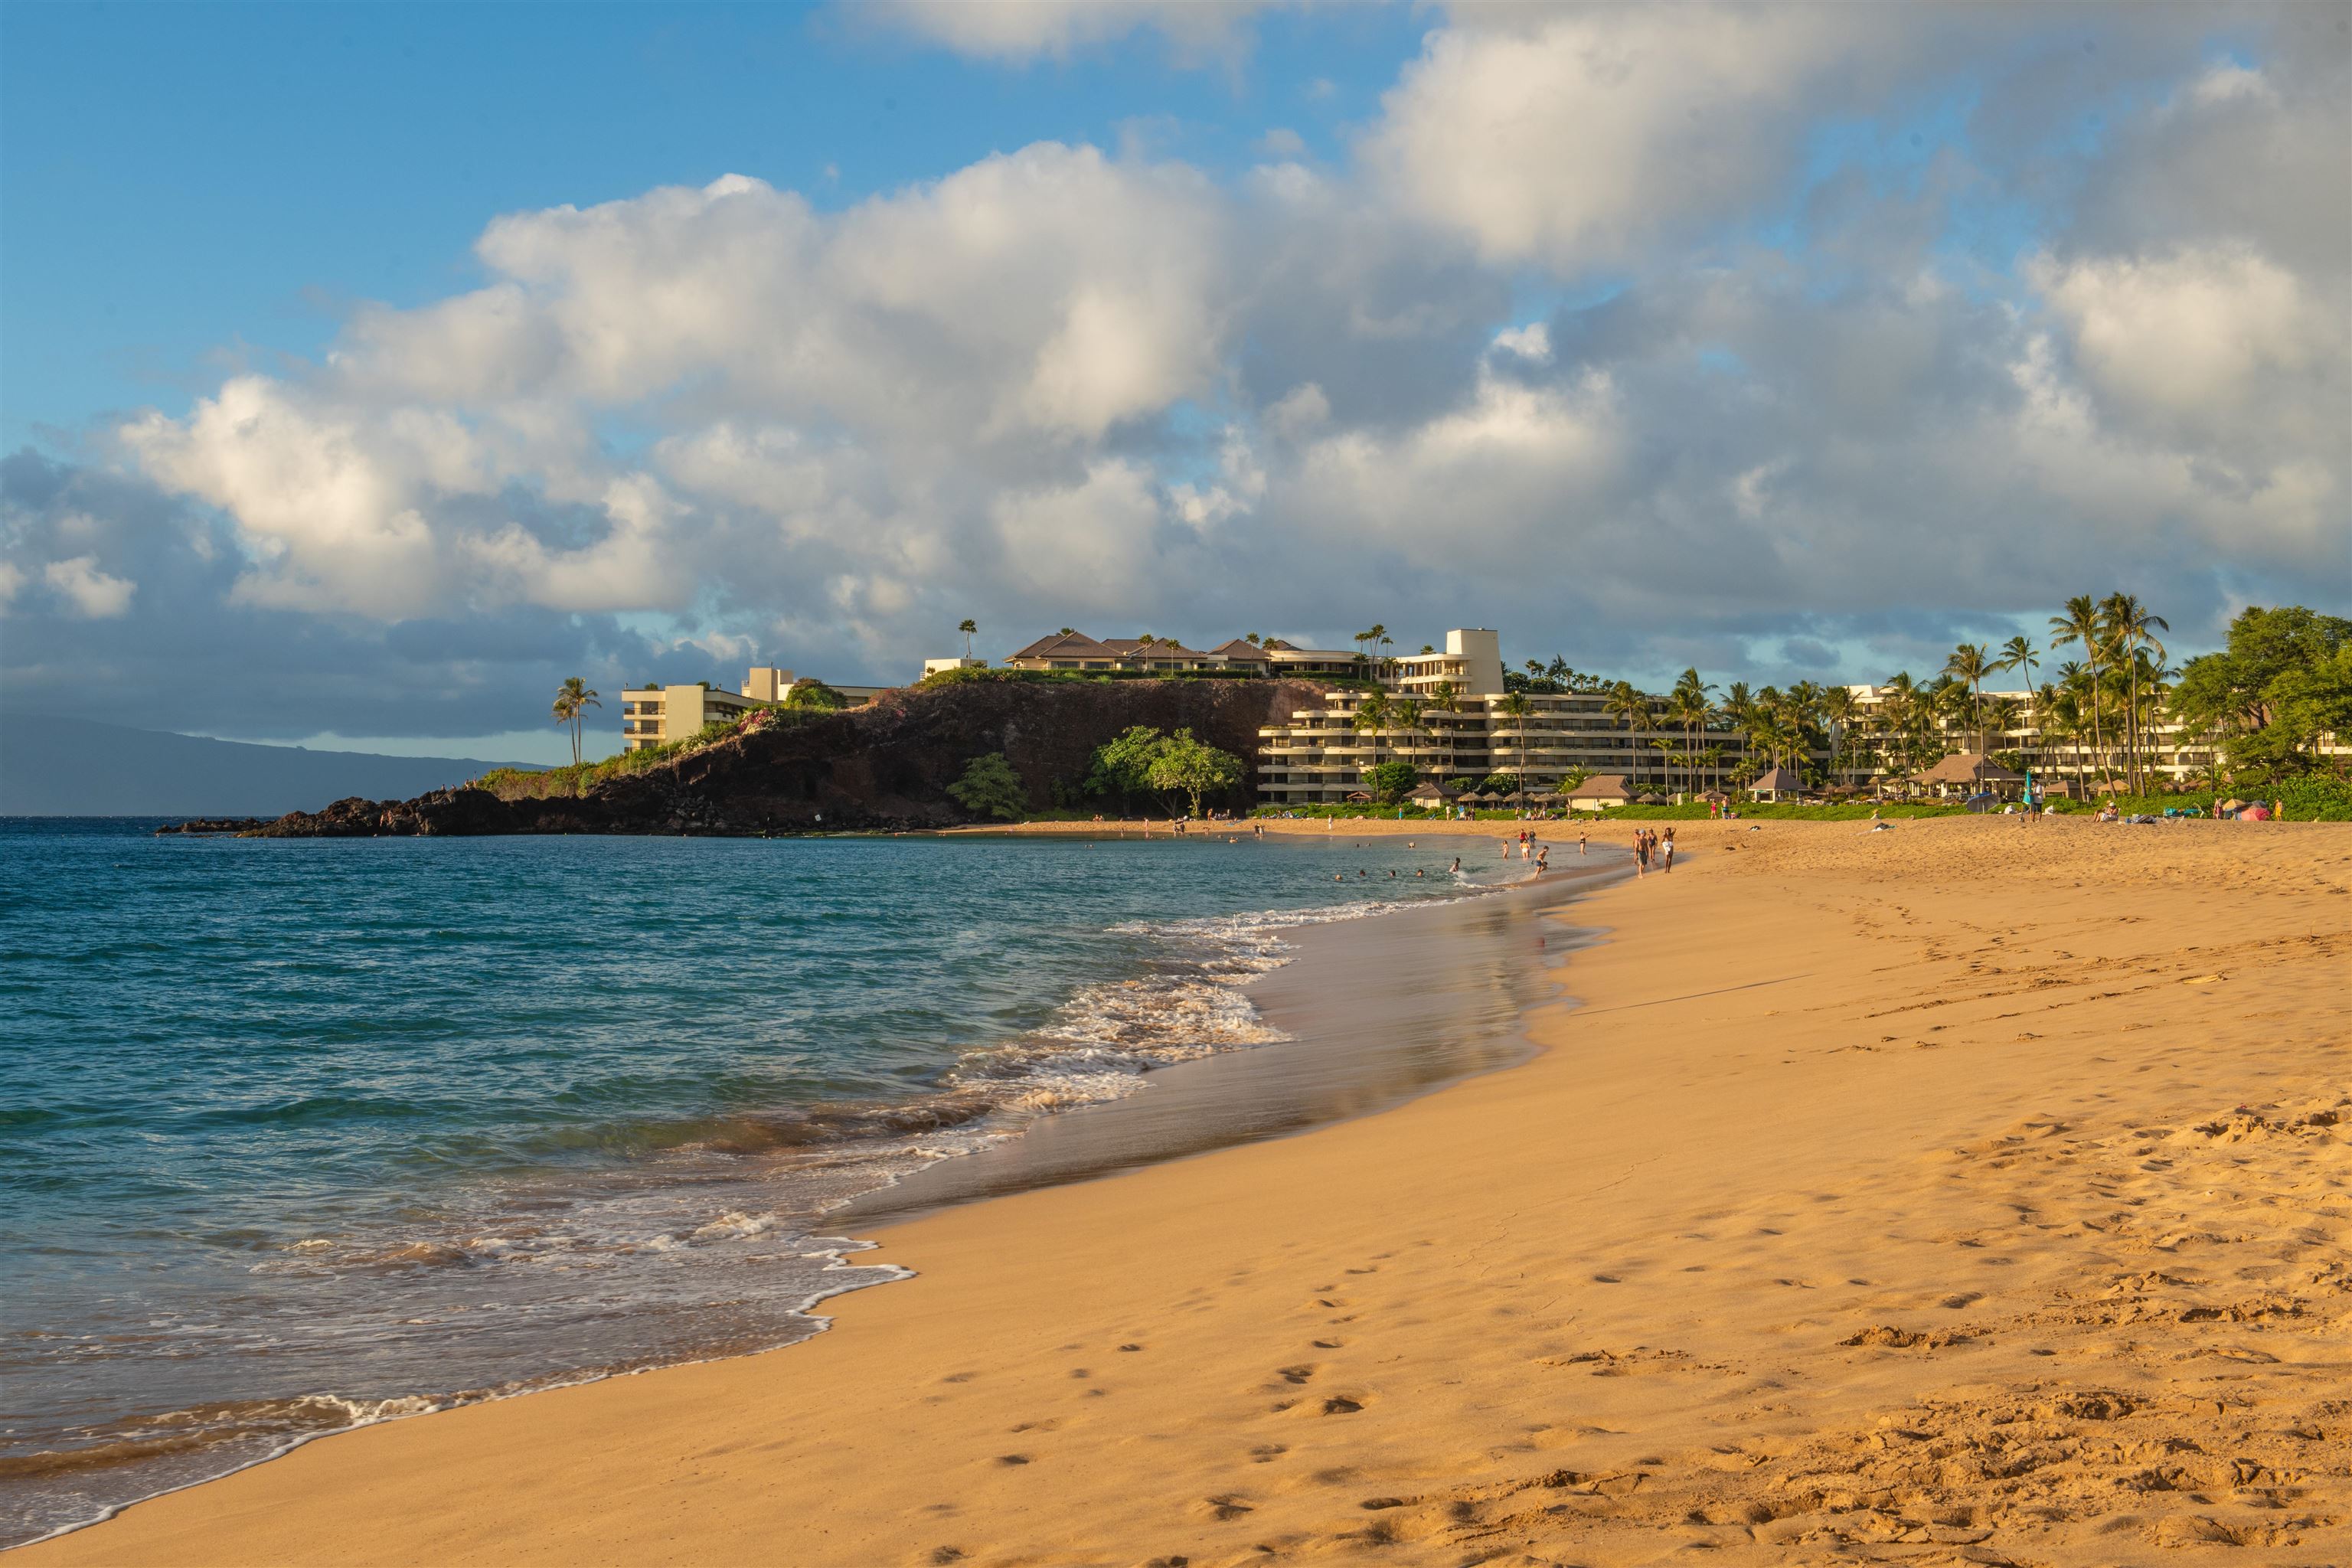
x,y
300,1134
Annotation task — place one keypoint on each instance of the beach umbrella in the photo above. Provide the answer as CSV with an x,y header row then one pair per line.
x,y
1518,798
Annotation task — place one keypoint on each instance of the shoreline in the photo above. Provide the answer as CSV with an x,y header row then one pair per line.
x,y
1098,1142
1122,1369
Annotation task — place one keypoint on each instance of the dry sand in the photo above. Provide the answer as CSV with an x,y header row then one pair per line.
x,y
1970,1192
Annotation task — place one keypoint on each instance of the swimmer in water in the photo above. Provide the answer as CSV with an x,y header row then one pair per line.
x,y
1456,866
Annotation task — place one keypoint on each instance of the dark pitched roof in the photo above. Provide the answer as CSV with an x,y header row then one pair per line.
x,y
1602,787
1076,645
1780,781
1240,647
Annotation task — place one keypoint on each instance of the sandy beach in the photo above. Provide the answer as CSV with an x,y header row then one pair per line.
x,y
1971,1191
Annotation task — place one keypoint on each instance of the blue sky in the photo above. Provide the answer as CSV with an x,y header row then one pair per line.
x,y
192,185
397,360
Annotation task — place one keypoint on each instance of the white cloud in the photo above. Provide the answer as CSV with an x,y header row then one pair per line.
x,y
93,594
2194,333
1299,413
832,433
1197,31
1531,342
1282,142
1082,544
1577,137
12,582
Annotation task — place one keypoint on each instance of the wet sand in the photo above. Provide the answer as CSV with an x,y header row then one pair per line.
x,y
1967,1192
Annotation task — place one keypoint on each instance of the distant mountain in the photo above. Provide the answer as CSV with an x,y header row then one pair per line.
x,y
75,767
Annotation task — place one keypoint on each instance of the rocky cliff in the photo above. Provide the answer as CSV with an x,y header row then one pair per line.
x,y
884,767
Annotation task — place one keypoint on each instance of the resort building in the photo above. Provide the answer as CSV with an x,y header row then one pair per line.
x,y
655,715
1075,651
1473,661
1538,739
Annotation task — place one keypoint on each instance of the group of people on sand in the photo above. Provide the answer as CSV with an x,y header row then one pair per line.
x,y
1649,846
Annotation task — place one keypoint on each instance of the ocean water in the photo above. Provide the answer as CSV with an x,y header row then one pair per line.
x,y
297,1135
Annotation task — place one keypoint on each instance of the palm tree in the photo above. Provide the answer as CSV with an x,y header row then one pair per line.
x,y
1405,717
1625,701
1971,663
969,629
1372,717
1516,706
1838,705
1691,708
1380,640
2018,654
2130,629
571,698
2082,623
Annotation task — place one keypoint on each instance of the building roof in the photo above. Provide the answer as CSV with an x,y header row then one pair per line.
x,y
1240,647
1427,792
1970,767
1780,781
1602,787
1072,645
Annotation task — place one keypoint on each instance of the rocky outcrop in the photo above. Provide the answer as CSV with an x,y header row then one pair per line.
x,y
881,768
214,824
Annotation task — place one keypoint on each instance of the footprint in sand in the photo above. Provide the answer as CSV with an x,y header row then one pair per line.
x,y
1340,1405
1267,1453
1232,1505
1294,1373
1329,1345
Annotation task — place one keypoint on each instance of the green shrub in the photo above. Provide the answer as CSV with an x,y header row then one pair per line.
x,y
990,787
1390,782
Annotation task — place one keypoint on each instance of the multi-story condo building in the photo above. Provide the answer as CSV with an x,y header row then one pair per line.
x,y
1449,716
654,715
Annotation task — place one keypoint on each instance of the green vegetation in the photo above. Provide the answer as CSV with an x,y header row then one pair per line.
x,y
1143,763
1390,782
816,696
2285,681
1194,768
990,788
579,778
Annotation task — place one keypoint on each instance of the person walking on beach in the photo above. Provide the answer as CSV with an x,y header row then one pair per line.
x,y
1641,853
1583,835
1670,851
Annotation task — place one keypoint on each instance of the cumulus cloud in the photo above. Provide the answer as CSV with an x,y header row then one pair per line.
x,y
1022,30
1576,138
2191,333
92,594
1546,353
